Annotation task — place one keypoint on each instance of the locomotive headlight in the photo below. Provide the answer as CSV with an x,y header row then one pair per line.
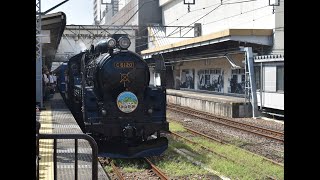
x,y
150,111
111,43
124,42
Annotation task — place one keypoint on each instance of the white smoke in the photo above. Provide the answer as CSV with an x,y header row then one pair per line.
x,y
80,46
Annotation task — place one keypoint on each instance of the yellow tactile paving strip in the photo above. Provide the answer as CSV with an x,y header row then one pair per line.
x,y
57,119
46,145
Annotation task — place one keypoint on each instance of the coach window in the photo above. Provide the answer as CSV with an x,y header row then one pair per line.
x,y
269,78
280,78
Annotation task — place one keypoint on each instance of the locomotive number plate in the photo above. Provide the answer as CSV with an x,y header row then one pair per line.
x,y
125,64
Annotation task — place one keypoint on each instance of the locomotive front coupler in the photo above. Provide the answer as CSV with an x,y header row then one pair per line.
x,y
129,131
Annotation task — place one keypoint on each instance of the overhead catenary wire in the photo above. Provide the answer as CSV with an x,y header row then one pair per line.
x,y
221,3
221,19
134,14
104,29
126,21
118,18
201,18
173,32
236,15
184,15
159,28
231,26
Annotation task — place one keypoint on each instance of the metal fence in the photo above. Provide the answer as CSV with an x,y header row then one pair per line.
x,y
76,137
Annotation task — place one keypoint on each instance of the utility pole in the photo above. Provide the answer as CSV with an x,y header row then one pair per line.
x,y
39,89
250,83
39,92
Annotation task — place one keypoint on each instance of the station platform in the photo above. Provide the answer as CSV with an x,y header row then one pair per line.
x,y
57,119
222,105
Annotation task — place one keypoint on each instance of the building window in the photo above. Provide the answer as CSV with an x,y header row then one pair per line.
x,y
280,78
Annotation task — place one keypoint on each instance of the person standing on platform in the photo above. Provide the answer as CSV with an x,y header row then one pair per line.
x,y
51,83
45,82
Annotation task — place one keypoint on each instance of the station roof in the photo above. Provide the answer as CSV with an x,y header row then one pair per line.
x,y
256,36
56,23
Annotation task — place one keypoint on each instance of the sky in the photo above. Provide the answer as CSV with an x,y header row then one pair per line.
x,y
78,12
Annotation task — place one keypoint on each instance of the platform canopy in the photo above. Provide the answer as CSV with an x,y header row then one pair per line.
x,y
53,24
214,44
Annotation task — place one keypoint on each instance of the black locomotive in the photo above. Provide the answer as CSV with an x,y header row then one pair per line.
x,y
108,92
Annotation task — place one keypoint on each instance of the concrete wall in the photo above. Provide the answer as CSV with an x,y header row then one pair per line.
x,y
149,12
124,15
278,47
123,3
216,107
246,15
163,2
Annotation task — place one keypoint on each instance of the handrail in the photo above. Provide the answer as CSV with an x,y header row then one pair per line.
x,y
92,143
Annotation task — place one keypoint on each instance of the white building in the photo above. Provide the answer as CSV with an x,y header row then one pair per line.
x,y
213,61
98,9
106,9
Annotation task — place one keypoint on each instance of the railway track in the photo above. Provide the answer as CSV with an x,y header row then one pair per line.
x,y
121,175
157,170
261,131
193,142
210,150
219,154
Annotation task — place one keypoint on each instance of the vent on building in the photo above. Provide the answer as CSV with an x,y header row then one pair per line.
x,y
197,29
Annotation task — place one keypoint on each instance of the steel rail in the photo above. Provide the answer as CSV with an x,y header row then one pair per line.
x,y
276,135
264,158
157,170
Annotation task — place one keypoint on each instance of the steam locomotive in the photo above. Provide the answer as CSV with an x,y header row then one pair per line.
x,y
108,92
